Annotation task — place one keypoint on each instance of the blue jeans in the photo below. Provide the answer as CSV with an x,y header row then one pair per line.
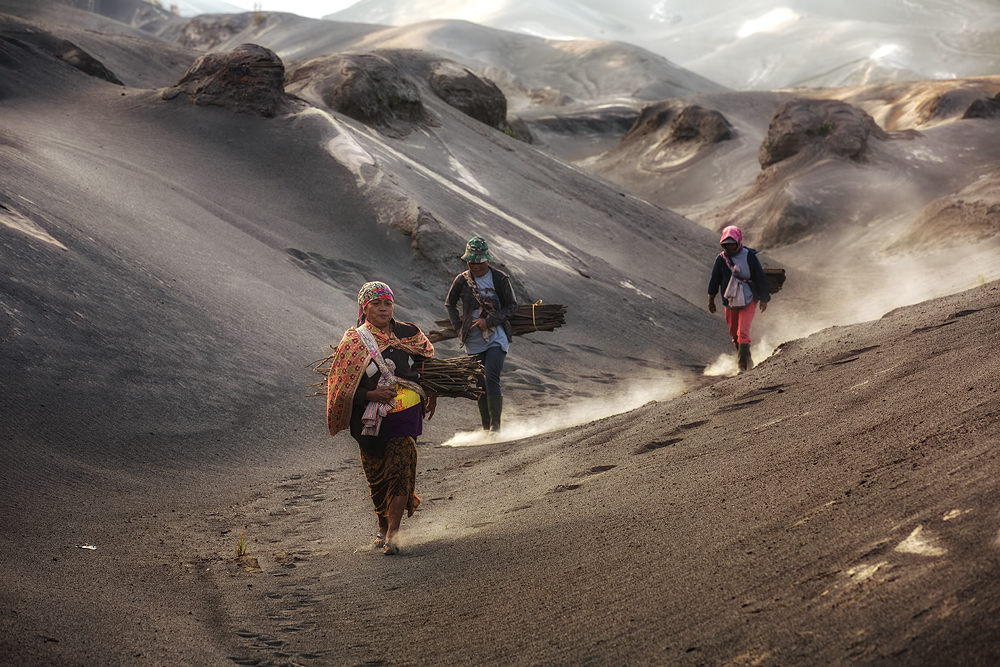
x,y
492,359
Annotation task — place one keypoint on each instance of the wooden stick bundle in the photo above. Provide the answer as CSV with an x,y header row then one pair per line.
x,y
775,279
455,377
527,319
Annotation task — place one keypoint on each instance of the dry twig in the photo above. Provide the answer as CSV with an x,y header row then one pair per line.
x,y
456,377
528,319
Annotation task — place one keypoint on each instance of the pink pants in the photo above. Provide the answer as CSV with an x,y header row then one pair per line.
x,y
739,321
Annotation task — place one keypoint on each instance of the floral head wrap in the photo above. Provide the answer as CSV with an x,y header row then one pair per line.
x,y
371,292
732,233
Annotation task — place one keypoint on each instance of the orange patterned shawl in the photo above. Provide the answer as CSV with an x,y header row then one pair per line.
x,y
349,363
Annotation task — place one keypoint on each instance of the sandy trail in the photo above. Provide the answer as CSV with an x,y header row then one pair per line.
x,y
835,504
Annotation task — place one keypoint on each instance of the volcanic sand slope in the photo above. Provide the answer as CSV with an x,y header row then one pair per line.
x,y
169,271
836,504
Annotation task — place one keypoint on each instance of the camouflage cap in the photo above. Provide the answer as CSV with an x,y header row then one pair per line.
x,y
477,251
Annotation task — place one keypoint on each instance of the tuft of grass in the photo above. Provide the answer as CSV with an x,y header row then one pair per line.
x,y
241,546
258,15
981,279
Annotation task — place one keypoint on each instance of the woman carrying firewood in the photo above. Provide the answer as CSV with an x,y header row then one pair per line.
x,y
483,328
738,271
374,389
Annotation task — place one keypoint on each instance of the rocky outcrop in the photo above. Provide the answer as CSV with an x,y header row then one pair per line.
x,y
455,84
830,127
695,123
382,88
668,137
819,168
473,95
683,125
248,79
72,54
984,108
364,86
66,51
948,105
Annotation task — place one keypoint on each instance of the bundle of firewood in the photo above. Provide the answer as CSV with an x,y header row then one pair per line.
x,y
528,318
456,377
775,279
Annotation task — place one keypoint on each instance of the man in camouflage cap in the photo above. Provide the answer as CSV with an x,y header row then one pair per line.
x,y
483,327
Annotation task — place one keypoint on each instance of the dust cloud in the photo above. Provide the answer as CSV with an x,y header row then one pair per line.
x,y
848,286
573,413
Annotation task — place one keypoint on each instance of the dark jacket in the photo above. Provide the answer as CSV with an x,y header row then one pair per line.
x,y
461,291
721,274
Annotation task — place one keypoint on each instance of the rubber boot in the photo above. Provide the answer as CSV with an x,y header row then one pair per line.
x,y
496,409
745,362
484,412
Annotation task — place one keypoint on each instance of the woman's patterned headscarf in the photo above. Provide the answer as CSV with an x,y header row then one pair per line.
x,y
371,292
733,232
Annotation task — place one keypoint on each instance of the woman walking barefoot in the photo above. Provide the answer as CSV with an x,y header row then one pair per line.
x,y
374,389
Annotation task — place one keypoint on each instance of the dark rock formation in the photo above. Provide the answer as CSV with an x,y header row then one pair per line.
x,y
66,51
455,84
669,136
830,126
70,53
473,95
687,124
248,79
520,130
365,86
695,123
984,108
819,169
378,88
949,105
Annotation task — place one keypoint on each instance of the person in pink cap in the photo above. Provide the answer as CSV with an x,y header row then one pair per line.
x,y
739,273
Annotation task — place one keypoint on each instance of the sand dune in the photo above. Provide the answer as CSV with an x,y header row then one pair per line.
x,y
174,257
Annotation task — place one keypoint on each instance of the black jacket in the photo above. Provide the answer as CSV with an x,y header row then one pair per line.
x,y
461,291
721,274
